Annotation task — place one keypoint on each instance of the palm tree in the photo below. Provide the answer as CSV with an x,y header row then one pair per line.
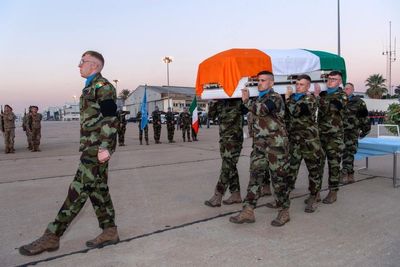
x,y
376,86
124,94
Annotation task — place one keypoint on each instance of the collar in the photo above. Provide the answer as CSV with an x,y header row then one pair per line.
x,y
298,96
332,90
90,79
263,93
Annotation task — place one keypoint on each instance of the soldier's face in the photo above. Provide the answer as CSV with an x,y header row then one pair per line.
x,y
265,82
34,110
302,86
348,89
7,109
87,66
334,81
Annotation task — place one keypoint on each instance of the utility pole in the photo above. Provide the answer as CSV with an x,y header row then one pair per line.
x,y
338,25
391,57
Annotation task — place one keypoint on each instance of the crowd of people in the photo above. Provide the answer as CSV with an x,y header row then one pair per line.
x,y
303,125
376,117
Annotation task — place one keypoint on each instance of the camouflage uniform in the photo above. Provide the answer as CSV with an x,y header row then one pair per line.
x,y
304,140
186,124
25,127
121,127
330,124
98,130
34,125
170,125
156,125
356,123
9,131
271,148
230,117
146,129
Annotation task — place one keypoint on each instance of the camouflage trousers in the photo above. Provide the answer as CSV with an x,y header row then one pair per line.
x,y
350,149
90,182
9,136
274,153
186,130
310,150
29,139
229,176
171,131
266,181
333,146
121,135
157,131
36,135
146,133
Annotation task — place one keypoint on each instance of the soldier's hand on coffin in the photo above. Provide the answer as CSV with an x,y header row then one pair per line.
x,y
289,92
317,89
245,94
103,155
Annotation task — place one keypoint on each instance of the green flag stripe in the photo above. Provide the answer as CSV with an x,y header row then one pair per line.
x,y
331,61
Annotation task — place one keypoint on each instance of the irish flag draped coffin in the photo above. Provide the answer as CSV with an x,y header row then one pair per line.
x,y
224,74
194,112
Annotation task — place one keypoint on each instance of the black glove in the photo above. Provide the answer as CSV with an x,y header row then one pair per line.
x,y
337,104
362,113
363,134
304,110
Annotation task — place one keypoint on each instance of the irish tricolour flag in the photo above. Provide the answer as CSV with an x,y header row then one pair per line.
x,y
193,112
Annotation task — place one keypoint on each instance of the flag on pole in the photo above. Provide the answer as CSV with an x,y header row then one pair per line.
x,y
143,110
194,113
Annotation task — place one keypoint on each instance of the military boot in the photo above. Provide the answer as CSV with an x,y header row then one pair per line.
x,y
282,218
273,205
47,242
343,178
317,198
109,236
184,139
234,198
265,191
330,198
141,142
350,178
245,216
311,204
215,201
189,140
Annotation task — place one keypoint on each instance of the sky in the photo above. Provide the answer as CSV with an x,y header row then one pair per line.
x,y
42,41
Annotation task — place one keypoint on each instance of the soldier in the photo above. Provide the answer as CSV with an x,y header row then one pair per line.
x,y
146,129
304,138
331,104
34,125
121,127
356,124
25,127
8,120
156,124
186,124
229,113
170,125
98,123
271,147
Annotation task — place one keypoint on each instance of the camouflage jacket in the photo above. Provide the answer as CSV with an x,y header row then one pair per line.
x,y
185,118
9,120
156,117
121,119
139,116
301,117
170,118
230,117
356,117
34,121
331,112
25,122
268,114
97,130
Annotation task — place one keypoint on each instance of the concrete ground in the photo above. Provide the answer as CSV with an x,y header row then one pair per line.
x,y
158,193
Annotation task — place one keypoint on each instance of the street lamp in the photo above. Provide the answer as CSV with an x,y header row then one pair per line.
x,y
167,60
74,96
116,84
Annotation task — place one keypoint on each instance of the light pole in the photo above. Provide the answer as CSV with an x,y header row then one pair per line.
x,y
338,23
167,60
391,57
74,96
116,84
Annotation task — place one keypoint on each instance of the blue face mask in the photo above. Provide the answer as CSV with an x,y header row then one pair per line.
x,y
331,90
297,96
263,93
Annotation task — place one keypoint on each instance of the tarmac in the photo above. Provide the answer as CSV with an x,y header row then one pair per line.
x,y
158,193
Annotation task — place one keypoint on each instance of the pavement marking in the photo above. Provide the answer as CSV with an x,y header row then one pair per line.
x,y
129,239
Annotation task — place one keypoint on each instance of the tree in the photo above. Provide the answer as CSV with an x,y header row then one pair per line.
x,y
124,94
376,86
393,117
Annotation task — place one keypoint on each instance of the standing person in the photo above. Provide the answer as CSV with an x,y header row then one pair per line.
x,y
304,138
186,123
356,124
25,127
331,104
9,128
170,118
146,129
271,147
121,127
35,127
98,123
229,113
156,124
